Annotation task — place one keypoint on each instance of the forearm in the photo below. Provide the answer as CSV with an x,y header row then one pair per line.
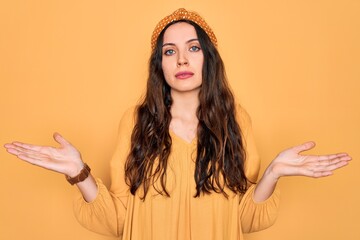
x,y
80,175
88,188
266,186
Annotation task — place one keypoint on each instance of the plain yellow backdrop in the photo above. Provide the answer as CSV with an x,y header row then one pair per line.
x,y
75,66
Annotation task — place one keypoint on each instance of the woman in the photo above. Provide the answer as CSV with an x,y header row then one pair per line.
x,y
185,165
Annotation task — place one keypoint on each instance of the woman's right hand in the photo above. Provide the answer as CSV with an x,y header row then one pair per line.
x,y
65,159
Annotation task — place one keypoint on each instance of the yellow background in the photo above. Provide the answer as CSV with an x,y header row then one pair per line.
x,y
75,66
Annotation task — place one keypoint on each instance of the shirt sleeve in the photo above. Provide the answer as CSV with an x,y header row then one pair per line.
x,y
106,213
254,216
257,216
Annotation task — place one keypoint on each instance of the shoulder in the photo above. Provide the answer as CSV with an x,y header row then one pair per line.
x,y
252,163
242,117
127,121
129,114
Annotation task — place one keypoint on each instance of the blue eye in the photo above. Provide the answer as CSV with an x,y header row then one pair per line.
x,y
169,52
194,49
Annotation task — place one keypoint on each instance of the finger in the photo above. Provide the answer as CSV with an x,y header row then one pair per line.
x,y
8,145
28,155
322,174
323,171
343,156
36,160
337,165
24,152
33,158
333,165
16,150
25,146
333,160
325,166
61,140
314,172
324,161
303,147
44,162
13,151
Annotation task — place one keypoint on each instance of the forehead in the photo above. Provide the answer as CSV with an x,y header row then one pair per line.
x,y
179,32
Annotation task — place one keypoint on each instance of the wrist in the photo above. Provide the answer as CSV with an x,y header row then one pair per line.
x,y
75,169
271,173
83,174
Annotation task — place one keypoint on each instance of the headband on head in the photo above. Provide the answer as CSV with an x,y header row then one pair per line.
x,y
182,14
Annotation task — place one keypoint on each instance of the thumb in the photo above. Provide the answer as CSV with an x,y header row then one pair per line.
x,y
304,147
59,139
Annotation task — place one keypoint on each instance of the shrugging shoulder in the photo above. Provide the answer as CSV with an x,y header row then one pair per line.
x,y
107,213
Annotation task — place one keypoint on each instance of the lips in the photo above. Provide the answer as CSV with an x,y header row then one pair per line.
x,y
184,75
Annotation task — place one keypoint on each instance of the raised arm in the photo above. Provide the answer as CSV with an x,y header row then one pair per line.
x,y
292,163
65,159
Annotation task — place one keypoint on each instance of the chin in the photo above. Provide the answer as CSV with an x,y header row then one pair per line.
x,y
188,90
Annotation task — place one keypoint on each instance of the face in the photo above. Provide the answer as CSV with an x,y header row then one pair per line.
x,y
182,58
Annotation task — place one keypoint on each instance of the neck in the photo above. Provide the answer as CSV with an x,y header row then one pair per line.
x,y
184,105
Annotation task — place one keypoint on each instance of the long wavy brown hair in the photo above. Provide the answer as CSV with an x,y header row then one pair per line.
x,y
220,148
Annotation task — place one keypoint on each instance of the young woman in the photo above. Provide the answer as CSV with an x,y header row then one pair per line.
x,y
185,165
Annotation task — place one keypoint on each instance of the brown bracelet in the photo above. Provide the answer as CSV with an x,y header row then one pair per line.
x,y
81,176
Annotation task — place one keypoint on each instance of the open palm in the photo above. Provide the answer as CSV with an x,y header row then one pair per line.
x,y
64,159
292,163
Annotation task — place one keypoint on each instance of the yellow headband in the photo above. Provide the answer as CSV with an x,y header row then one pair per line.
x,y
182,14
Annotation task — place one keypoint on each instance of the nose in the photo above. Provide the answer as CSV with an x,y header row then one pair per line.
x,y
182,60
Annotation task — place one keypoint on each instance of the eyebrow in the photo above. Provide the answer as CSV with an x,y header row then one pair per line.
x,y
173,44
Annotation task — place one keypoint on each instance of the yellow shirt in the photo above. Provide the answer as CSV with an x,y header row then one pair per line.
x,y
181,216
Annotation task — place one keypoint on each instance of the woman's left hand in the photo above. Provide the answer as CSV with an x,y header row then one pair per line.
x,y
292,163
